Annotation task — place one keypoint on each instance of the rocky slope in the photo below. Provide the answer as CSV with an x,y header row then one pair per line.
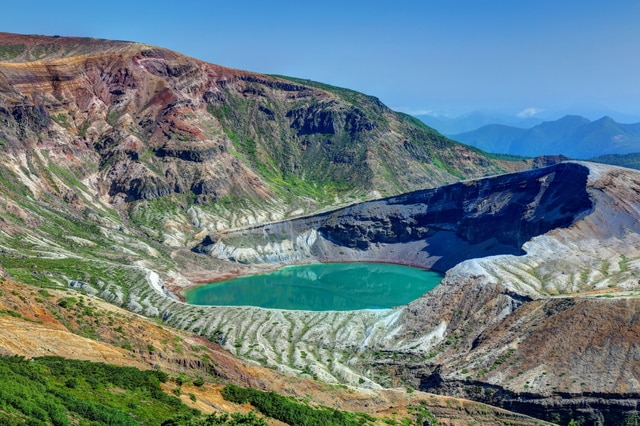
x,y
117,158
537,311
131,125
434,229
59,323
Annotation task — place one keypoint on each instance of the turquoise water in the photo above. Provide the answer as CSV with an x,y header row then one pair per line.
x,y
321,287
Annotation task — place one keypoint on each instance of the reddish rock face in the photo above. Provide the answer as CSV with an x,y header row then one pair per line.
x,y
157,123
86,123
116,103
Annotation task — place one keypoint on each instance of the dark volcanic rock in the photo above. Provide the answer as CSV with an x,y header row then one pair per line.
x,y
195,155
469,219
147,189
549,330
442,227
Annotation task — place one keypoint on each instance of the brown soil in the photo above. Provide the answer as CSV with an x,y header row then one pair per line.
x,y
32,323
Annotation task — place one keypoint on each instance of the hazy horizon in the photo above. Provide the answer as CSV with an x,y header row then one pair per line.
x,y
591,112
448,57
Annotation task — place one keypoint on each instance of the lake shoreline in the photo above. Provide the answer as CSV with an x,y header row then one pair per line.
x,y
314,286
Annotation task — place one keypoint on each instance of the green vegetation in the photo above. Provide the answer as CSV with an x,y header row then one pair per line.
x,y
631,161
415,122
11,184
213,419
82,131
624,263
112,117
11,51
58,391
43,272
11,313
44,293
62,119
503,157
150,215
351,96
287,168
62,392
290,410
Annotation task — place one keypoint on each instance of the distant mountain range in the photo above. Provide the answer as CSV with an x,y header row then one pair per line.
x,y
473,120
572,135
450,125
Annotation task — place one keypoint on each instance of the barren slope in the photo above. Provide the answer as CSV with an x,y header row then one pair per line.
x,y
36,323
117,158
130,124
537,311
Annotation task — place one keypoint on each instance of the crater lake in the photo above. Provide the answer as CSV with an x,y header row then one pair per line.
x,y
321,287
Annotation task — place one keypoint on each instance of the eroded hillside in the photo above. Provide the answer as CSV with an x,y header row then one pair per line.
x,y
537,311
39,322
118,158
131,125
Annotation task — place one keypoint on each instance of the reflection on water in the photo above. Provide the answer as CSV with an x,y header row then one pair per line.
x,y
321,287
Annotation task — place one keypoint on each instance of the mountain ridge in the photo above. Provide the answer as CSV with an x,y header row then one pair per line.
x,y
573,136
114,167
448,125
159,124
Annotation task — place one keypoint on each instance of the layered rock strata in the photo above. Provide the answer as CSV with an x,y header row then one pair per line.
x,y
537,311
116,156
434,229
138,123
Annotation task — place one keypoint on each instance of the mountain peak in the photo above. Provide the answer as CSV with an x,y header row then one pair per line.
x,y
571,118
156,123
605,119
31,48
572,135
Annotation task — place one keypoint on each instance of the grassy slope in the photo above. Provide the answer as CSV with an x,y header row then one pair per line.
x,y
631,161
45,322
47,241
61,391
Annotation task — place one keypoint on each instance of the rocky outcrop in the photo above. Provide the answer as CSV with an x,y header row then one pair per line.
x,y
116,156
594,375
329,119
155,124
550,333
435,228
537,309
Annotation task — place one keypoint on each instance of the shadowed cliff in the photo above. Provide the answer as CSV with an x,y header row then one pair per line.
x,y
436,228
536,312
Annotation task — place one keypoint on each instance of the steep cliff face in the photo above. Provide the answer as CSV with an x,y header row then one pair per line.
x,y
537,311
436,228
134,112
116,155
139,124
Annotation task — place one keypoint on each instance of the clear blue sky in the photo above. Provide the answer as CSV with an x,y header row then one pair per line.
x,y
442,55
